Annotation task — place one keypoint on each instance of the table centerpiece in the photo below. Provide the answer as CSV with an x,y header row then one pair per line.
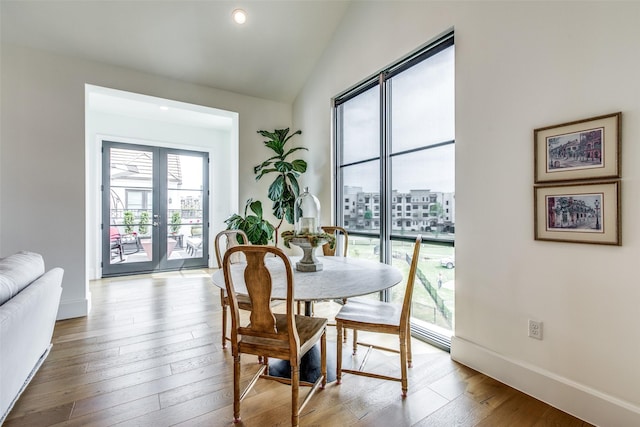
x,y
307,234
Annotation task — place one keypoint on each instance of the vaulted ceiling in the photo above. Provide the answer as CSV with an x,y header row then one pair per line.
x,y
270,56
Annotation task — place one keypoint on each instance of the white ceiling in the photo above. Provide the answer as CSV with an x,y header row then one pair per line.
x,y
269,57
121,103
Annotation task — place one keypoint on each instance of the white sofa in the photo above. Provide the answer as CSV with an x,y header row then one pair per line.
x,y
29,300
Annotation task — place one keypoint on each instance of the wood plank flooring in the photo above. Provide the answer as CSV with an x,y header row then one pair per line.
x,y
149,354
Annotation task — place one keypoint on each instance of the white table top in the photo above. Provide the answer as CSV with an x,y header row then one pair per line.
x,y
341,277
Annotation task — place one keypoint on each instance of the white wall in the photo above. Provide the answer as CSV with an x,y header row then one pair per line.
x,y
519,66
42,171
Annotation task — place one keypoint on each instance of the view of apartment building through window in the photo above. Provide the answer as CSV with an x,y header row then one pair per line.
x,y
414,212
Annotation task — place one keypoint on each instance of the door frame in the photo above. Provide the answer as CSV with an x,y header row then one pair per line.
x,y
160,261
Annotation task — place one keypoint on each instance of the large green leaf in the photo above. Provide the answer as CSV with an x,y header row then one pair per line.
x,y
294,184
264,172
283,167
278,209
293,150
289,214
264,164
299,165
276,146
277,188
298,132
256,208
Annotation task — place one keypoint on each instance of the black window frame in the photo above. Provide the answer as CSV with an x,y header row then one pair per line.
x,y
387,212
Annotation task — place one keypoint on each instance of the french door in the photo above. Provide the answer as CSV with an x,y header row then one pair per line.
x,y
154,209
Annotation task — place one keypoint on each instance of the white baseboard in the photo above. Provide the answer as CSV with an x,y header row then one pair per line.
x,y
569,396
72,309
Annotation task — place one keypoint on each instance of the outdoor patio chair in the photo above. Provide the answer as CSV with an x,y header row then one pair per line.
x,y
115,242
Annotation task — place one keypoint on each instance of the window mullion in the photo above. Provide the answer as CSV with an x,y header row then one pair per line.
x,y
385,175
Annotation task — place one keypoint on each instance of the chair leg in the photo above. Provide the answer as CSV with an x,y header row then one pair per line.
x,y
339,354
409,357
355,341
295,383
344,301
236,388
323,359
403,363
224,325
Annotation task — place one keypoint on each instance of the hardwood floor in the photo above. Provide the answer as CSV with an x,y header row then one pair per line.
x,y
149,354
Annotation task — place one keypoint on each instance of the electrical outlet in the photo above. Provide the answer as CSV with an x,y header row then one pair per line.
x,y
535,329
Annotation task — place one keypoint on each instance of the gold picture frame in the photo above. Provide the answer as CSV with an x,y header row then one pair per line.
x,y
584,212
579,150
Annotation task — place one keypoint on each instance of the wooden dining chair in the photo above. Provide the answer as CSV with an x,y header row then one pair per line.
x,y
341,236
231,237
362,314
282,336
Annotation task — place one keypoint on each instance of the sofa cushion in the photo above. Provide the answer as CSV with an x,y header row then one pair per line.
x,y
17,271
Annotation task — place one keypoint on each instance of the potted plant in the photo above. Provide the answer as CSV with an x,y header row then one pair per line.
x,y
143,225
176,220
128,222
284,189
259,231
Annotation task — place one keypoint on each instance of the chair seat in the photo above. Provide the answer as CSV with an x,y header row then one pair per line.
x,y
309,331
367,311
244,302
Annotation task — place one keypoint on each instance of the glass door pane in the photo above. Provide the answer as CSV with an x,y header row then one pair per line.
x,y
185,197
129,193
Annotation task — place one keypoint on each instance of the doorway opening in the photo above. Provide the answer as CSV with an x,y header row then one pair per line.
x,y
155,214
164,131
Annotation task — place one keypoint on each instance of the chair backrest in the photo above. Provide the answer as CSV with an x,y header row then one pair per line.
x,y
258,281
114,234
406,303
232,239
342,237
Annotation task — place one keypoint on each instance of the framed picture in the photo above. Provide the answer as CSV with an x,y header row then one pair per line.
x,y
587,212
585,149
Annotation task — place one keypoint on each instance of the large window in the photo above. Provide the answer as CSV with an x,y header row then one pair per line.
x,y
395,176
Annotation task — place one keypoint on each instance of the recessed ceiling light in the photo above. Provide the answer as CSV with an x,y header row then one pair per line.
x,y
239,16
164,107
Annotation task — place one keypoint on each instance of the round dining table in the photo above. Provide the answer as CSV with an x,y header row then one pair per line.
x,y
340,277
